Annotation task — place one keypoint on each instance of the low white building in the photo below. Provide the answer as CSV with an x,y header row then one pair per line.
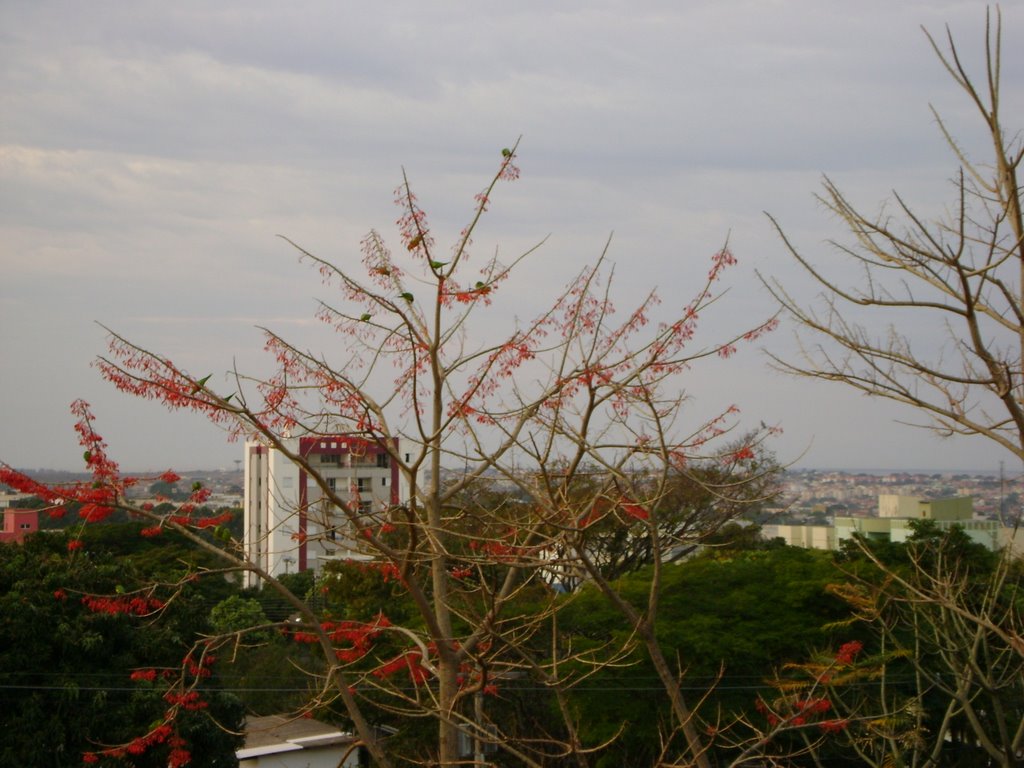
x,y
276,741
896,514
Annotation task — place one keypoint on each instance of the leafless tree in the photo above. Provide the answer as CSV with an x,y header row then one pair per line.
x,y
961,274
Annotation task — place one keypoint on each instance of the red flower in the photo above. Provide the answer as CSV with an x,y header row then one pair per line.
x,y
179,758
743,454
833,726
634,510
60,594
848,652
75,544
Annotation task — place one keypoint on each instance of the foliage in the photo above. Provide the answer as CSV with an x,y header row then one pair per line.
x,y
237,614
730,618
72,661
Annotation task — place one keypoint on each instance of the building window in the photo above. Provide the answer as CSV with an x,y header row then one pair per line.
x,y
332,483
382,460
363,484
383,481
330,458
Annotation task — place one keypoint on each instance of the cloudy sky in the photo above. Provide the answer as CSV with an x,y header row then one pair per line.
x,y
150,152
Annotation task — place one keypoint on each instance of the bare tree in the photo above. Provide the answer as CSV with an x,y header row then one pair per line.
x,y
961,275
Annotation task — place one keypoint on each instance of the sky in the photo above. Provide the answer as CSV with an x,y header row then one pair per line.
x,y
150,154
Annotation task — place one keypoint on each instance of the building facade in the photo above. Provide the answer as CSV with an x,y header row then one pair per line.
x,y
17,524
896,513
290,523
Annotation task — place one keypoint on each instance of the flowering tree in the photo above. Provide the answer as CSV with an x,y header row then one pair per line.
x,y
580,412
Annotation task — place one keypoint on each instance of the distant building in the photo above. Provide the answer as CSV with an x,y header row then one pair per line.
x,y
896,513
289,524
18,523
806,536
893,523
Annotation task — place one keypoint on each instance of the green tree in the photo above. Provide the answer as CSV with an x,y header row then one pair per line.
x,y
730,616
67,668
240,614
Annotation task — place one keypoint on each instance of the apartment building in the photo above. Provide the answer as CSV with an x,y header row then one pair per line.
x,y
290,522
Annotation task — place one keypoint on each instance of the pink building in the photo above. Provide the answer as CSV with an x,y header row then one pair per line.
x,y
18,523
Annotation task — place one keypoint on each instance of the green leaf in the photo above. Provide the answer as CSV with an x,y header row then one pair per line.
x,y
407,296
201,383
364,317
506,152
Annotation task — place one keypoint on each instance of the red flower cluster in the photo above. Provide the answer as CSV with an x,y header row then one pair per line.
x,y
200,668
848,652
409,660
743,454
812,706
603,507
212,522
144,674
798,713
190,700
833,726
356,637
179,757
129,605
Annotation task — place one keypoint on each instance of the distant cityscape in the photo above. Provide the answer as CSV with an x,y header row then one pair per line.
x,y
810,496
813,496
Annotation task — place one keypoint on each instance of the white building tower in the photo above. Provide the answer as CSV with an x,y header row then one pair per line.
x,y
289,524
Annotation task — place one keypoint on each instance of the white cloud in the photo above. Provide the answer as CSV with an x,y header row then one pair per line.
x,y
150,152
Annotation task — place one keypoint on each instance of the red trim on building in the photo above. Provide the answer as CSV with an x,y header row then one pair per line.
x,y
303,519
